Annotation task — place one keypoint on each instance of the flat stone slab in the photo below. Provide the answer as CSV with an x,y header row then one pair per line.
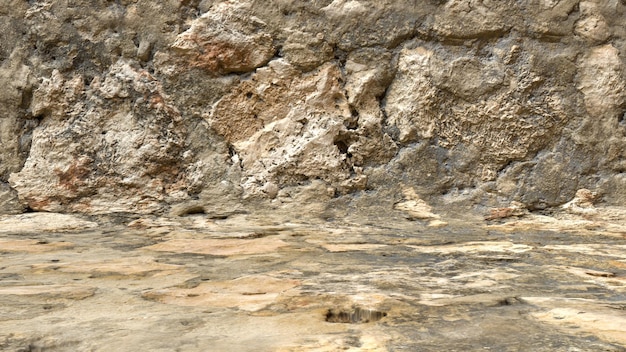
x,y
49,222
32,246
257,283
133,266
250,293
220,247
606,321
475,247
49,291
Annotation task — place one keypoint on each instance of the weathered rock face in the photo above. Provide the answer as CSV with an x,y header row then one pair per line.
x,y
136,106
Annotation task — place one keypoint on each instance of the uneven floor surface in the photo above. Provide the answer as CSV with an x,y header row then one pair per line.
x,y
249,282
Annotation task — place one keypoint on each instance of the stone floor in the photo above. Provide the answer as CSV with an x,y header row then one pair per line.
x,y
253,282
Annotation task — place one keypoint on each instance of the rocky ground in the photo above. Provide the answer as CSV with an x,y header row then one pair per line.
x,y
312,175
243,281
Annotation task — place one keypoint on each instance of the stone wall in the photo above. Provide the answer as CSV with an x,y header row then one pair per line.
x,y
139,106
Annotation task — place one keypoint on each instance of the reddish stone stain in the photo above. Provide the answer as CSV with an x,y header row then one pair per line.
x,y
38,203
72,178
223,56
158,103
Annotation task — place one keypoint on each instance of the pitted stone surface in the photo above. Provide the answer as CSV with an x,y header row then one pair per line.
x,y
262,282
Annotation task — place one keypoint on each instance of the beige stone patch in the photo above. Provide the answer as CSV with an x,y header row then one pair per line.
x,y
250,293
49,291
600,81
415,207
220,246
475,247
486,278
33,246
372,341
600,319
609,250
582,203
604,278
143,223
486,299
347,247
542,222
43,222
134,266
610,221
437,223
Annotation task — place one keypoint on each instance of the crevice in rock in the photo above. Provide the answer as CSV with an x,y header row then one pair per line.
x,y
193,210
354,316
27,97
353,123
341,57
342,144
621,116
510,301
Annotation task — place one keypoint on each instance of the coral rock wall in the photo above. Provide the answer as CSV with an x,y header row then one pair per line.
x,y
136,106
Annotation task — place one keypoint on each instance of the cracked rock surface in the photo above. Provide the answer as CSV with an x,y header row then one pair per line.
x,y
269,282
142,107
312,175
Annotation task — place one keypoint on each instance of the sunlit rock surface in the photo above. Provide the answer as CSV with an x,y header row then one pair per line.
x,y
144,107
323,175
270,282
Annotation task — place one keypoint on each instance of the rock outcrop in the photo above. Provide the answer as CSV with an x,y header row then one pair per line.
x,y
136,106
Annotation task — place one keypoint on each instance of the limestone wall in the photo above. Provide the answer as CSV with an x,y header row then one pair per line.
x,y
139,106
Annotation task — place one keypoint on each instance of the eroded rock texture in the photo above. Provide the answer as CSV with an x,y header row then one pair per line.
x,y
136,106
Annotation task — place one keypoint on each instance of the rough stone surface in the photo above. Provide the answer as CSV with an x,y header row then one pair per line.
x,y
140,107
264,282
323,175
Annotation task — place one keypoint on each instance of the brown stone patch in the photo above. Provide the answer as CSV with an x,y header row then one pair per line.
x,y
242,123
225,56
32,246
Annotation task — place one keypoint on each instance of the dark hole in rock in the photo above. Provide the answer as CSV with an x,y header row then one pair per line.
x,y
510,301
342,146
27,97
354,316
193,211
218,216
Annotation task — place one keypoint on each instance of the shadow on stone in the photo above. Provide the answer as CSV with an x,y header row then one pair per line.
x,y
354,316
